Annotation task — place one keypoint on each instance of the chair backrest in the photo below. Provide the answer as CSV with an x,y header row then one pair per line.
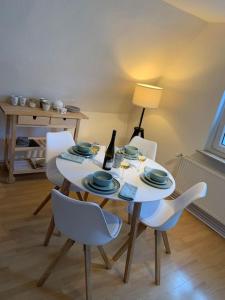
x,y
147,147
81,221
169,211
56,142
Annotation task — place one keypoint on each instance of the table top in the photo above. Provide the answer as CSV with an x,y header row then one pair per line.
x,y
17,110
75,172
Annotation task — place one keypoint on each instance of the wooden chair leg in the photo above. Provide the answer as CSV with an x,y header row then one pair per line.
x,y
105,257
80,197
123,248
132,238
103,203
129,217
166,242
87,259
49,231
44,202
86,196
69,243
157,256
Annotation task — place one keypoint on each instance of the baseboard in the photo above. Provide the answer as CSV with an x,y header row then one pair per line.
x,y
204,216
207,219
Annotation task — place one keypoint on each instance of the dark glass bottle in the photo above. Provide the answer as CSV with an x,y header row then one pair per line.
x,y
109,154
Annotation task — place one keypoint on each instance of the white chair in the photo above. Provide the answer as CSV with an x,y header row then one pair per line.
x,y
148,148
85,223
163,217
56,142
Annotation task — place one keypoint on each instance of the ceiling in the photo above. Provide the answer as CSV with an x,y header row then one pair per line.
x,y
208,10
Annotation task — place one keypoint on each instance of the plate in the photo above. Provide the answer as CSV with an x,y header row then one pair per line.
x,y
75,149
166,185
86,183
76,152
101,188
154,181
97,191
131,157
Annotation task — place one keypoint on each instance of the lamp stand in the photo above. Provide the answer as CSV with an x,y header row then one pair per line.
x,y
138,130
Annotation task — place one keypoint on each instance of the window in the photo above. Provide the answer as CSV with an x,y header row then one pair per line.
x,y
223,138
216,140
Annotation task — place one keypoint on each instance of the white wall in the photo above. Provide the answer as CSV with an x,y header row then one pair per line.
x,y
88,53
98,128
193,86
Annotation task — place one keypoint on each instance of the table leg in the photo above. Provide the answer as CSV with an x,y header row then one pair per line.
x,y
76,130
11,178
133,232
64,190
6,144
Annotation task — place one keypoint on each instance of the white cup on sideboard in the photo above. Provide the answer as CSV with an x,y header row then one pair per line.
x,y
22,101
14,100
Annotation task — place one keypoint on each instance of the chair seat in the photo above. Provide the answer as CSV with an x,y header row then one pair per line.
x,y
147,208
114,223
152,213
154,217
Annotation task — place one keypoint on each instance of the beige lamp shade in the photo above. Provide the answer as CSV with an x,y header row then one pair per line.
x,y
147,96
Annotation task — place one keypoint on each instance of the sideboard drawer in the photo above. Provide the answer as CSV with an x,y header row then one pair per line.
x,y
63,122
33,120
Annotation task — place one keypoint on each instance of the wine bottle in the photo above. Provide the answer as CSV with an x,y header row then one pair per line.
x,y
109,154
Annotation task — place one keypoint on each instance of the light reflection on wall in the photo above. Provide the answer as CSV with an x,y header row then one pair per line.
x,y
158,127
141,67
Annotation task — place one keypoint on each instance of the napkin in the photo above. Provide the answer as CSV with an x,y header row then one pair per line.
x,y
128,191
74,158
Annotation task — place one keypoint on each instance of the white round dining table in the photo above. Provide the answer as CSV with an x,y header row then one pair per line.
x,y
74,173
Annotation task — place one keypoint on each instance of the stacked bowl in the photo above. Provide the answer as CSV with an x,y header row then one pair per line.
x,y
156,178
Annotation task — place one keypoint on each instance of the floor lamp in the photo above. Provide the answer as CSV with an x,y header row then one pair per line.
x,y
145,96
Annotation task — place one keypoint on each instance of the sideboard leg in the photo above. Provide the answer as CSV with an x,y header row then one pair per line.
x,y
6,143
11,148
76,130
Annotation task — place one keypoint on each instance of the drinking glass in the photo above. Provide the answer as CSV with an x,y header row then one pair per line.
x,y
124,166
95,148
118,159
141,159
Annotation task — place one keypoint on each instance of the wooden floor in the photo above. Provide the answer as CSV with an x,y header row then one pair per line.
x,y
194,270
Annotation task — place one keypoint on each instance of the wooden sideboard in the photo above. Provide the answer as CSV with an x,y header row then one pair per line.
x,y
18,116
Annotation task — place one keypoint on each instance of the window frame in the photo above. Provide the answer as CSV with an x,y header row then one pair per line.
x,y
222,142
216,136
